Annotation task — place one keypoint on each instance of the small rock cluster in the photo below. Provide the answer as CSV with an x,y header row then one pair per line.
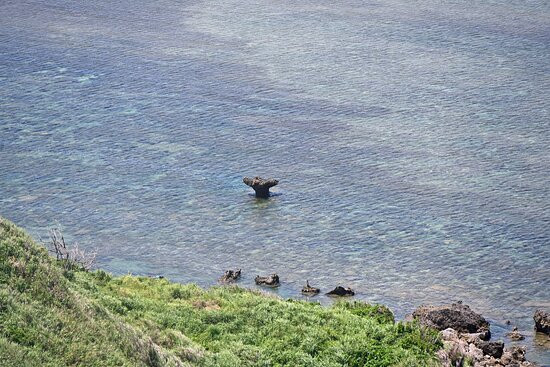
x,y
515,335
273,281
467,349
230,276
466,338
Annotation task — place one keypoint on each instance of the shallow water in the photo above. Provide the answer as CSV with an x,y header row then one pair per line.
x,y
411,140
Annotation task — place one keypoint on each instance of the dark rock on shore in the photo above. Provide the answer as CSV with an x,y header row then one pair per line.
x,y
309,290
261,186
515,356
542,321
492,349
511,357
269,281
341,292
515,335
231,276
456,316
457,349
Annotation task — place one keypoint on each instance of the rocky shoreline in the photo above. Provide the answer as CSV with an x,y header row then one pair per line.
x,y
466,335
185,316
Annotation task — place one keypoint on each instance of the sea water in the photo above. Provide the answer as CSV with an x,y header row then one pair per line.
x,y
411,140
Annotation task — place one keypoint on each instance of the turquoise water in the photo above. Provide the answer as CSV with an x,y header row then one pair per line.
x,y
411,140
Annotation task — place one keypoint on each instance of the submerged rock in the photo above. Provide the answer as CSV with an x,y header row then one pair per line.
x,y
269,281
542,321
515,335
341,292
307,289
261,186
456,316
231,276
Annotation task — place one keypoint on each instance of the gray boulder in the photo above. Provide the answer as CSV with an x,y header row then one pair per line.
x,y
456,316
268,281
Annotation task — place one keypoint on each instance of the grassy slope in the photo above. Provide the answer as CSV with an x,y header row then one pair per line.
x,y
49,316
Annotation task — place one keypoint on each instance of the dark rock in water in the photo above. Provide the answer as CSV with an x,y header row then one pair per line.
x,y
456,316
493,349
307,289
269,281
542,321
231,276
341,292
515,335
261,186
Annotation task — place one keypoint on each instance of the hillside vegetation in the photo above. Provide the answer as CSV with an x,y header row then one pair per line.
x,y
54,315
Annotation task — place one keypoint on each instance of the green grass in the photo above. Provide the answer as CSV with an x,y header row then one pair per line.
x,y
55,317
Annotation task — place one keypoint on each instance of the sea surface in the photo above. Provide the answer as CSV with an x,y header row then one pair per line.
x,y
411,140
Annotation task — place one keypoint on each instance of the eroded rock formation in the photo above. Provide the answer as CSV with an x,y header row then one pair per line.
x,y
261,186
